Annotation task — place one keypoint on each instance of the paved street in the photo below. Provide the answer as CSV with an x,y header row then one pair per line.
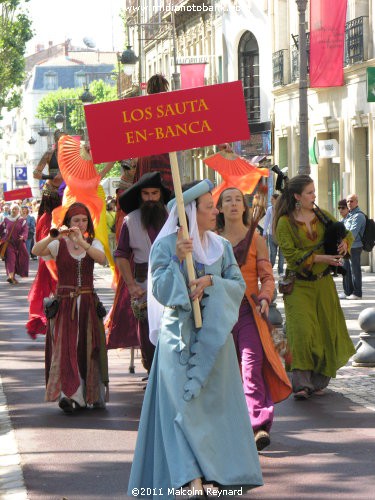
x,y
323,448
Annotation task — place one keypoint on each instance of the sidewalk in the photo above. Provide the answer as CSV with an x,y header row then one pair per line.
x,y
361,389
323,444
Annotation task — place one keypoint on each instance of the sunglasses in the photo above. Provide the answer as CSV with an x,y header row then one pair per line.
x,y
341,208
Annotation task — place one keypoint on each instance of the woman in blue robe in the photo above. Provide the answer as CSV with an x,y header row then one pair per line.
x,y
194,426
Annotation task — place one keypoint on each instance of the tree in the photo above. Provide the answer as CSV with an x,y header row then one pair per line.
x,y
68,102
15,32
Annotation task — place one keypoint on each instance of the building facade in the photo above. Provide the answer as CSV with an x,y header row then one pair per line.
x,y
340,120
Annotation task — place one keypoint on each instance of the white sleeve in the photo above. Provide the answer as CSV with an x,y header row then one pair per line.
x,y
97,244
53,247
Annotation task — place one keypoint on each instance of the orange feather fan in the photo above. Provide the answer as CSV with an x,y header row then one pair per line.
x,y
81,178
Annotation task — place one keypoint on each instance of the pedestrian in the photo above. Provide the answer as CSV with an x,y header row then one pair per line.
x,y
355,222
5,212
76,358
30,221
264,379
144,202
194,426
13,233
315,324
343,209
160,162
268,234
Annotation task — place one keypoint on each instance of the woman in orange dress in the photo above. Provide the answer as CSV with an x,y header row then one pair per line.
x,y
264,379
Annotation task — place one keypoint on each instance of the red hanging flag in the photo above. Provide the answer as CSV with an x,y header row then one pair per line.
x,y
192,75
327,38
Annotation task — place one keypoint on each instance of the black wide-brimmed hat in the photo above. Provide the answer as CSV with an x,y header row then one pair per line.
x,y
130,200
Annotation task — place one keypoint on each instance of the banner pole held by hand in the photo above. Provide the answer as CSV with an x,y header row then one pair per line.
x,y
185,232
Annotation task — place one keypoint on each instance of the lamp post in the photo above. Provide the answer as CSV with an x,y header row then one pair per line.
x,y
171,24
304,166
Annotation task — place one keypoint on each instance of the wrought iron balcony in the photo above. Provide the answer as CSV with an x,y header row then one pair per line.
x,y
295,57
278,68
354,48
354,41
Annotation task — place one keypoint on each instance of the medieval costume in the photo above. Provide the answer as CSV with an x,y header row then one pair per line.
x,y
76,360
46,277
315,324
114,322
14,231
264,378
194,421
134,246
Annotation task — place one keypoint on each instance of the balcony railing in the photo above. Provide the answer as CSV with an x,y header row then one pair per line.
x,y
354,48
354,39
295,57
278,68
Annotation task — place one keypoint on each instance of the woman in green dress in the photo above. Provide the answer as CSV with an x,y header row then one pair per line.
x,y
315,324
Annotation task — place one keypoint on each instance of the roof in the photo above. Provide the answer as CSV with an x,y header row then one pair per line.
x,y
66,74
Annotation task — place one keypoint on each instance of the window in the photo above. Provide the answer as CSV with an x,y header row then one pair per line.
x,y
79,79
50,80
248,67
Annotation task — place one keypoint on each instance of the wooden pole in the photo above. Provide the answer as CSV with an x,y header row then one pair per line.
x,y
185,232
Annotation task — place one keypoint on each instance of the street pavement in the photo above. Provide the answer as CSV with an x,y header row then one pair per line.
x,y
322,448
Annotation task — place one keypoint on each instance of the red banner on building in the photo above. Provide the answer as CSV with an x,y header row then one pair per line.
x,y
192,75
166,122
18,194
327,39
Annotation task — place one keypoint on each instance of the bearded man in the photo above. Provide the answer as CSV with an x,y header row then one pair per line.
x,y
144,203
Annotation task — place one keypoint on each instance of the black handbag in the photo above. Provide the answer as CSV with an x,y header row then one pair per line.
x,y
50,306
100,310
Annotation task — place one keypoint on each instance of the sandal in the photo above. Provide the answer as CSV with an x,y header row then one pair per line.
x,y
302,394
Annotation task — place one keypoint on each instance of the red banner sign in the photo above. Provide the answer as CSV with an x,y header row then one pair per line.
x,y
192,75
327,37
166,122
18,194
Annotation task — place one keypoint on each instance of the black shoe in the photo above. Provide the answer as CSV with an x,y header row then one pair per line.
x,y
67,405
262,439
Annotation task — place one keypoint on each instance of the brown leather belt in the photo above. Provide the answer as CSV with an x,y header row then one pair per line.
x,y
74,294
313,277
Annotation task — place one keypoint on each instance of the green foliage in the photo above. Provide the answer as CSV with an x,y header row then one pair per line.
x,y
68,102
15,32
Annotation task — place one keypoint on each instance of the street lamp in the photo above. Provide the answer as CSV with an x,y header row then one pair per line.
x,y
87,96
59,120
128,59
31,141
304,166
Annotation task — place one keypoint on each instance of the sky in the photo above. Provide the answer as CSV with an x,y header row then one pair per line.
x,y
57,20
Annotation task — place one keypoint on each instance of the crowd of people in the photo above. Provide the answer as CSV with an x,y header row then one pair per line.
x,y
209,402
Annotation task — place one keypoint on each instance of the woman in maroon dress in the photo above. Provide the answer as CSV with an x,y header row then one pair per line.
x,y
76,358
14,230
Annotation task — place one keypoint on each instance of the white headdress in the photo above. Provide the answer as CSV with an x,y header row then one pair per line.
x,y
205,251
